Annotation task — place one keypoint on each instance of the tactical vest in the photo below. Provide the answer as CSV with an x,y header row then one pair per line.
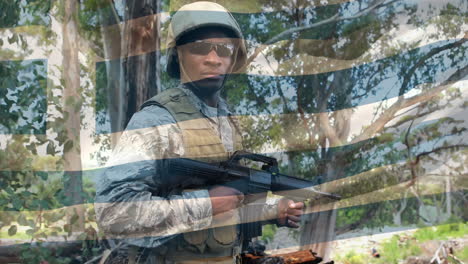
x,y
201,143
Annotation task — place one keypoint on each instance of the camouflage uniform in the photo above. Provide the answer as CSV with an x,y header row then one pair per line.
x,y
133,207
127,207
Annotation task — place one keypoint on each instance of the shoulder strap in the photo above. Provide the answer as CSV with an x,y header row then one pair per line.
x,y
176,101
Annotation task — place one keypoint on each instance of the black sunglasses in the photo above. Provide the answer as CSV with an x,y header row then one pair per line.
x,y
201,47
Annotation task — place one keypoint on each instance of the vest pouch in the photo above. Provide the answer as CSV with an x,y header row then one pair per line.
x,y
197,239
222,238
201,137
201,142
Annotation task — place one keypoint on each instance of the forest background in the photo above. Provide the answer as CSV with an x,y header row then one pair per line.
x,y
365,98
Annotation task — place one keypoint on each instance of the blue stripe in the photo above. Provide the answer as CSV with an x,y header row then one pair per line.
x,y
259,27
357,158
360,161
409,221
105,16
388,78
23,97
25,13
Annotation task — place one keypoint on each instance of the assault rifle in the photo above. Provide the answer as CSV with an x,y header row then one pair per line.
x,y
188,173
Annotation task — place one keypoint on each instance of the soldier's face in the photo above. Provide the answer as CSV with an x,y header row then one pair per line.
x,y
205,61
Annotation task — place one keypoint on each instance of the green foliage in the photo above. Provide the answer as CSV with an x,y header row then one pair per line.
x,y
22,95
15,12
268,232
41,254
357,259
12,230
385,137
33,197
441,232
397,249
23,189
352,257
425,234
462,254
392,253
350,215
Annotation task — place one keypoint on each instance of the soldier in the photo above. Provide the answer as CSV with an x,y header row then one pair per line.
x,y
164,225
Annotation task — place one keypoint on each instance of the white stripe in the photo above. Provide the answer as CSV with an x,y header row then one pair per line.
x,y
394,192
361,117
401,38
248,6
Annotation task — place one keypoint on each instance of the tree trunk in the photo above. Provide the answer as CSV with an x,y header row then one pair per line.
x,y
397,214
448,201
319,232
132,57
140,47
73,183
114,87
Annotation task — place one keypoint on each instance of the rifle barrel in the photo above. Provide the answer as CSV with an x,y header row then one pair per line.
x,y
298,187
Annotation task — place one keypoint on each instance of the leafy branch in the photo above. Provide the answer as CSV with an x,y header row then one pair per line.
x,y
332,19
423,59
402,103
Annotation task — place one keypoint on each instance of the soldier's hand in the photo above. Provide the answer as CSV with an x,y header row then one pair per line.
x,y
289,212
225,199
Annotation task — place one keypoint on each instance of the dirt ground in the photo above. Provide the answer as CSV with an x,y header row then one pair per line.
x,y
363,243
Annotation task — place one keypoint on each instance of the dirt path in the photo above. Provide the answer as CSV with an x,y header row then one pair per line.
x,y
361,241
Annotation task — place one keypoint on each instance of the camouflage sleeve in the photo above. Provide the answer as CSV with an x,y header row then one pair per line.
x,y
126,204
270,210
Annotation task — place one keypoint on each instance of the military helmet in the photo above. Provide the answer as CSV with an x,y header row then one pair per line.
x,y
198,15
